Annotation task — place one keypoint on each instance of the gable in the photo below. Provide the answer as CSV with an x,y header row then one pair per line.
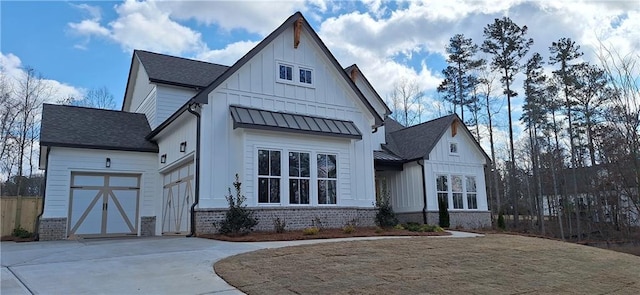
x,y
467,149
368,91
256,73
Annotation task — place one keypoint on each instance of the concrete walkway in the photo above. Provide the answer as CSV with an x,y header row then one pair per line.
x,y
156,265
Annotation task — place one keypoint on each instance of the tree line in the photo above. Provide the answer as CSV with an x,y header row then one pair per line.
x,y
21,99
575,173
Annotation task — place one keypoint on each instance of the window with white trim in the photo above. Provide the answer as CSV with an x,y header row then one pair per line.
x,y
299,178
306,76
442,188
472,193
327,178
457,190
269,176
453,148
285,72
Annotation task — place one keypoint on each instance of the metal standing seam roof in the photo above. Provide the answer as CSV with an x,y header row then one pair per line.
x,y
244,117
386,156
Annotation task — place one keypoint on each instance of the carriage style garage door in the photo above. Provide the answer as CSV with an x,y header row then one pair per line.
x,y
177,199
104,204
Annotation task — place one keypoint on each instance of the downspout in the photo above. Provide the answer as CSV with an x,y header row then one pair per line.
x,y
44,195
424,191
197,172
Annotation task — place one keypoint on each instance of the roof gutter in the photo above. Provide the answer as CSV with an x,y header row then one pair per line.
x,y
192,109
44,195
424,191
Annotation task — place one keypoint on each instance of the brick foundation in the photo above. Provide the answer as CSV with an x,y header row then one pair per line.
x,y
147,226
468,220
295,218
52,229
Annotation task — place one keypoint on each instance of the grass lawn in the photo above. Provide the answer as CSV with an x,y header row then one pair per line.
x,y
494,264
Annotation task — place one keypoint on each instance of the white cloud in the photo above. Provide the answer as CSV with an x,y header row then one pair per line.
x,y
228,55
260,17
12,67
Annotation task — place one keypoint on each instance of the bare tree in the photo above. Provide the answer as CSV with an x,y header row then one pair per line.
x,y
99,98
406,102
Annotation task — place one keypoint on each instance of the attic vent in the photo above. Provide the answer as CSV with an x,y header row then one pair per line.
x,y
454,128
297,27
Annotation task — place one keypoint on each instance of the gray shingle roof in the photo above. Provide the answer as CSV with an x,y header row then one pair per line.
x,y
279,121
70,126
179,71
416,141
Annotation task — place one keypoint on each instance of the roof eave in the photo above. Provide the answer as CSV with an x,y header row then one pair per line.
x,y
98,147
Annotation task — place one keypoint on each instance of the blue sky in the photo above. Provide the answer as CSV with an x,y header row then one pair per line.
x,y
79,45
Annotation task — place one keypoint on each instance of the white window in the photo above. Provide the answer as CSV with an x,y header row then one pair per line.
x,y
305,76
442,187
268,176
327,179
456,189
285,72
299,178
453,148
472,193
461,191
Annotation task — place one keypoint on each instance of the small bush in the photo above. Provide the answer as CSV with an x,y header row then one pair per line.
x,y
310,231
379,230
279,225
501,224
385,217
348,229
238,220
22,233
416,227
443,213
399,227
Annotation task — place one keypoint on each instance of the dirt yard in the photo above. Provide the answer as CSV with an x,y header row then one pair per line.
x,y
495,264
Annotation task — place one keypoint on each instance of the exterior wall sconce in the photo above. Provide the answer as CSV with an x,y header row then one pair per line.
x,y
108,163
183,146
163,158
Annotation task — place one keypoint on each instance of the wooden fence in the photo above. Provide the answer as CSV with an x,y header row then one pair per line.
x,y
31,207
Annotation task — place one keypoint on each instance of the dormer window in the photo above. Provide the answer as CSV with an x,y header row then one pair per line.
x,y
305,76
286,72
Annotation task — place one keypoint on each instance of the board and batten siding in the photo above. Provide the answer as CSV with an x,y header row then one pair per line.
x,y
404,188
182,129
469,161
255,85
63,161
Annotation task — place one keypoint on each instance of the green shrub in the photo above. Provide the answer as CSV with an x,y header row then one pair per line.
x,y
238,220
385,217
417,227
443,213
501,224
279,225
399,227
348,229
379,230
310,231
20,232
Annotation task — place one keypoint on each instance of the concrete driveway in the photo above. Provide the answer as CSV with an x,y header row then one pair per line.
x,y
155,265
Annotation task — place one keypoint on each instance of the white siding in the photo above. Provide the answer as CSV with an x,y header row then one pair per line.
x,y
148,107
255,85
170,99
62,161
141,87
405,188
181,130
468,162
371,96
